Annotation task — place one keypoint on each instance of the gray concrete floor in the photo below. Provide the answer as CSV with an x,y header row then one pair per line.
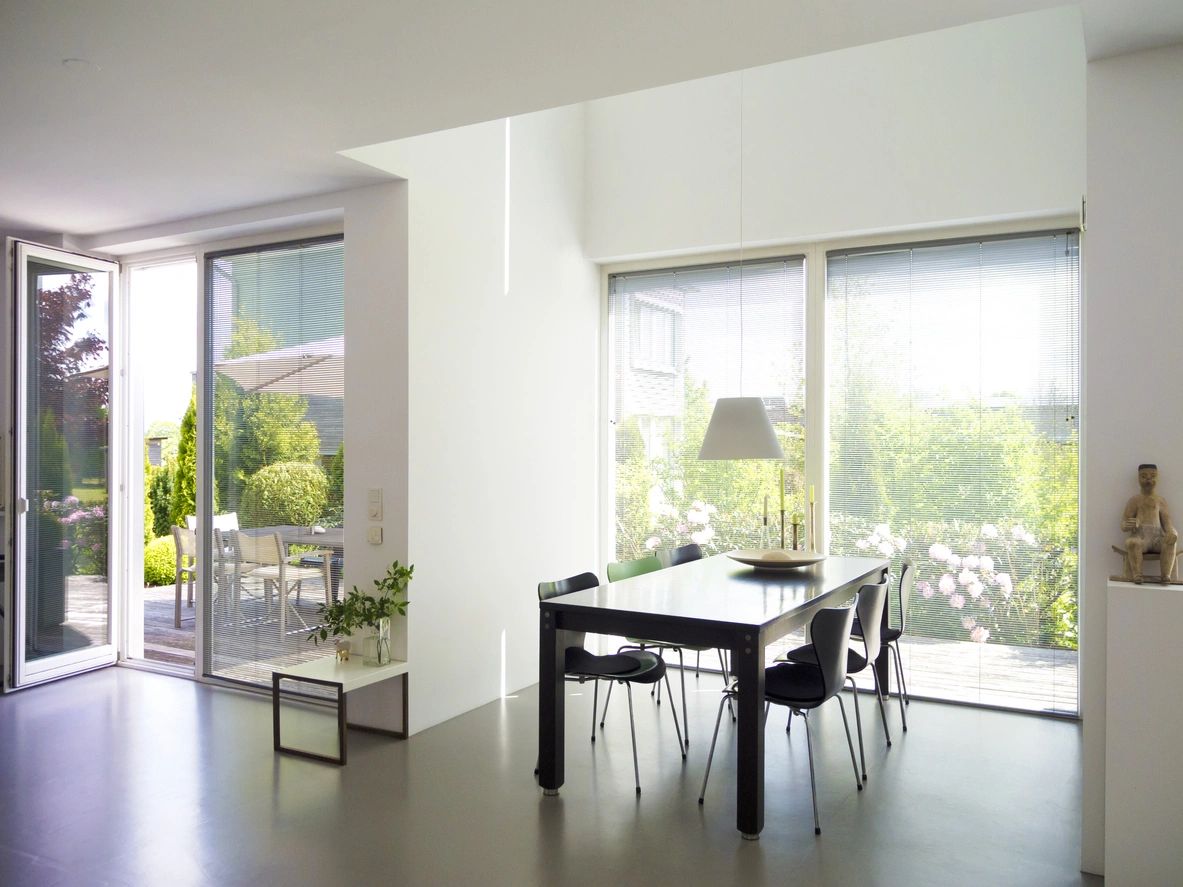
x,y
125,777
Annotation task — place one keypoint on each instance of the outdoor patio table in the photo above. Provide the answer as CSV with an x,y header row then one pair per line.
x,y
714,602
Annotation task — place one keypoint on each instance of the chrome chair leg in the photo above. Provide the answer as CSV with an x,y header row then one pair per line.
x,y
595,705
817,827
674,711
607,699
685,718
858,726
882,710
895,648
697,661
900,685
633,730
726,681
711,754
849,744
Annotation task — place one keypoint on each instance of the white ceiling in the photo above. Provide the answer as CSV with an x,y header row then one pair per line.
x,y
201,107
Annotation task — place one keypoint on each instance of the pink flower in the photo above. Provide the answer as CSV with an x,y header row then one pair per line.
x,y
953,561
975,589
862,544
703,536
939,552
947,584
652,542
980,635
886,549
1017,532
925,588
971,562
1029,538
968,622
957,601
966,577
989,531
987,563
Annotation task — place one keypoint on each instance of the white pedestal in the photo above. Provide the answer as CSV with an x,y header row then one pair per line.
x,y
1144,735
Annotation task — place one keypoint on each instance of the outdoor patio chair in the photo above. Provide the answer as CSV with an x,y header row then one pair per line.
x,y
185,541
263,557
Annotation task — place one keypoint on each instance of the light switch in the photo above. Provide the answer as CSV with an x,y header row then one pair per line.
x,y
374,503
374,535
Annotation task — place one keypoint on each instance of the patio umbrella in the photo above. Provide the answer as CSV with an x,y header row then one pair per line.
x,y
311,368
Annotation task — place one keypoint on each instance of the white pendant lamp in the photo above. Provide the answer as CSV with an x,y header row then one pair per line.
x,y
740,429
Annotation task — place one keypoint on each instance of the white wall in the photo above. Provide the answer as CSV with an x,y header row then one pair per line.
x,y
1132,321
502,400
972,123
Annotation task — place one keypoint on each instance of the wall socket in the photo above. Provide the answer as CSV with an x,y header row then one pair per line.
x,y
374,535
374,504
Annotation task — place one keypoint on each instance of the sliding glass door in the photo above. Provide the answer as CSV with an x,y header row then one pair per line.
x,y
62,446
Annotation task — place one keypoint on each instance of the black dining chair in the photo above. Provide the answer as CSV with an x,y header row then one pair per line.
x,y
890,637
872,599
804,686
627,667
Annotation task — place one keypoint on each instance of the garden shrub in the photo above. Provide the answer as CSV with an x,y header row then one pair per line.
x,y
285,494
160,561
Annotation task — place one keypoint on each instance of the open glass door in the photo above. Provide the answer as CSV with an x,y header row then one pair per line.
x,y
63,551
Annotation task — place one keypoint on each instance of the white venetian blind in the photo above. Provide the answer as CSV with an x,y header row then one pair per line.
x,y
275,392
678,340
953,375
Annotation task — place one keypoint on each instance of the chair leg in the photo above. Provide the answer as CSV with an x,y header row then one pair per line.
x,y
895,648
177,611
283,613
674,711
595,705
633,730
849,744
685,718
191,576
607,699
858,725
711,754
726,681
882,710
900,687
697,661
817,827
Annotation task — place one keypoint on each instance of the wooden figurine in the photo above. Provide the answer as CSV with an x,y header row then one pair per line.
x,y
1151,535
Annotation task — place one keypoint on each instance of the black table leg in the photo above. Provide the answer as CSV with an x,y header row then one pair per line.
x,y
747,665
551,699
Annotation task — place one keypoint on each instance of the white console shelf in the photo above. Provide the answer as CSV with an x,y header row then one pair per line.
x,y
376,702
1143,734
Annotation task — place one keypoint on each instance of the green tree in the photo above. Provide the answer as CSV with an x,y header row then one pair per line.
x,y
184,488
253,430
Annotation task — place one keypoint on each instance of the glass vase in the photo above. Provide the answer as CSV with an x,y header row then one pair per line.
x,y
376,647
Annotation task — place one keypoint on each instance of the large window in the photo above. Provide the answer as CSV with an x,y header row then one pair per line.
x,y
275,394
678,340
953,391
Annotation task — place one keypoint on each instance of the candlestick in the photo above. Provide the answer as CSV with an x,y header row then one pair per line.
x,y
782,489
812,529
782,528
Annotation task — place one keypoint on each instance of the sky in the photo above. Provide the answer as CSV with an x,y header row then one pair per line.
x,y
164,354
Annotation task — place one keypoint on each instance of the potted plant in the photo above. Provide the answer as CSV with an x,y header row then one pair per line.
x,y
360,609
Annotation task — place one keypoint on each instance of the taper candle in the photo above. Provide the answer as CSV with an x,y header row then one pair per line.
x,y
782,489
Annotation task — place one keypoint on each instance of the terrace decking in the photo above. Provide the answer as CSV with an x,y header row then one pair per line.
x,y
1027,678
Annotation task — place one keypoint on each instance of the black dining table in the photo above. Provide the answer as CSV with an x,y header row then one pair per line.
x,y
713,602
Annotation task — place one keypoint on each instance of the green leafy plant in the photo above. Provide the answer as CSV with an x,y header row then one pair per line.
x,y
286,493
160,561
360,609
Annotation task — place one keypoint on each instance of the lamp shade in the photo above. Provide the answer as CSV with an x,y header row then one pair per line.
x,y
740,429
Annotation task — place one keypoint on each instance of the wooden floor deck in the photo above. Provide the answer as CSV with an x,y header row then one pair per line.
x,y
1026,678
